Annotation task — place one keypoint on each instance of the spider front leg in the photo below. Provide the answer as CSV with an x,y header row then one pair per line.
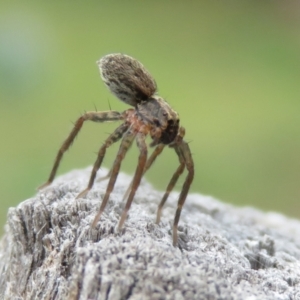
x,y
171,185
140,139
114,137
127,140
184,150
103,116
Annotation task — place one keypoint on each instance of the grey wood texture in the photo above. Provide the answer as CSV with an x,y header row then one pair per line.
x,y
49,250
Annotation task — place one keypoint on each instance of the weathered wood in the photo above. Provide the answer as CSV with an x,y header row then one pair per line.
x,y
49,250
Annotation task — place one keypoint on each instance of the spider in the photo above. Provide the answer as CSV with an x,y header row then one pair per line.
x,y
129,81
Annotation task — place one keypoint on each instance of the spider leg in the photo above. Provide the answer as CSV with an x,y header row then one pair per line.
x,y
126,142
149,163
114,137
176,175
105,176
140,139
153,156
184,149
103,116
171,184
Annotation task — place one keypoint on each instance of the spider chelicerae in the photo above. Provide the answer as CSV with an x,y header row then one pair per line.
x,y
129,81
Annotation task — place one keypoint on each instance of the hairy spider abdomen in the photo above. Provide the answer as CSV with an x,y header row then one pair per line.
x,y
127,78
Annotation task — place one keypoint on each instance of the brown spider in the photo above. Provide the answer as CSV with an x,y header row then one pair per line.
x,y
128,79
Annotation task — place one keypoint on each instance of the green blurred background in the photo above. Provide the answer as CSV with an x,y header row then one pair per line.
x,y
230,68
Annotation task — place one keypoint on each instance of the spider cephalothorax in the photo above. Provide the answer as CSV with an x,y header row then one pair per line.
x,y
164,121
132,83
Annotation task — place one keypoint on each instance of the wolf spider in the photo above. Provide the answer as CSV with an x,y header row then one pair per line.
x,y
129,81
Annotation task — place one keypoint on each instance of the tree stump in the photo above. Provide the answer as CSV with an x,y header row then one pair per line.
x,y
50,251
